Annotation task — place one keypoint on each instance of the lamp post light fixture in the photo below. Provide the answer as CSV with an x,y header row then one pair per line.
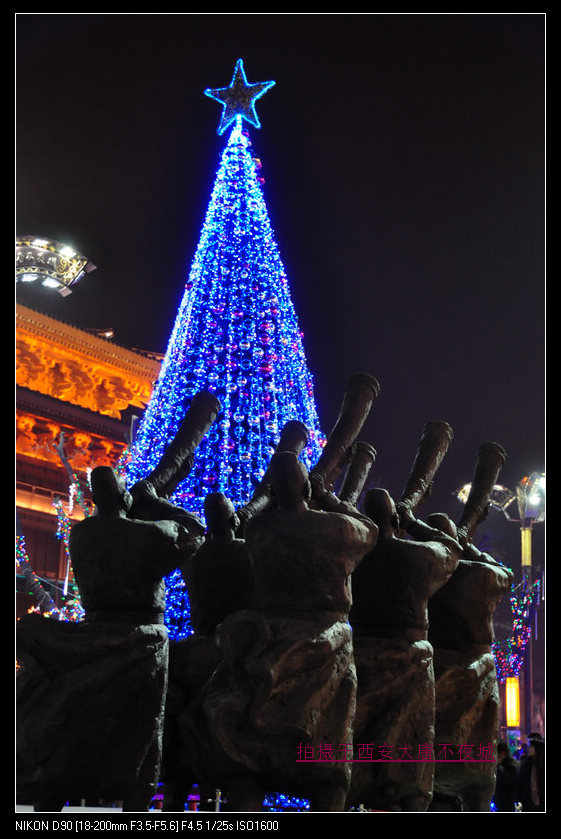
x,y
501,497
530,496
51,263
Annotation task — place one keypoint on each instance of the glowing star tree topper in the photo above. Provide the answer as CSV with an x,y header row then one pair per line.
x,y
238,99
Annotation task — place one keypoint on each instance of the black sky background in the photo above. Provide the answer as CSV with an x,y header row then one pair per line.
x,y
404,159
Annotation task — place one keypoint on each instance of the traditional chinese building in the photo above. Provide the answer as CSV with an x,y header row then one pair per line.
x,y
76,396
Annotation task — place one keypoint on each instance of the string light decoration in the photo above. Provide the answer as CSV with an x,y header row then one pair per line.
x,y
280,803
45,603
236,334
120,467
509,654
71,607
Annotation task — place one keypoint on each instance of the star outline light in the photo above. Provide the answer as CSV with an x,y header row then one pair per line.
x,y
238,99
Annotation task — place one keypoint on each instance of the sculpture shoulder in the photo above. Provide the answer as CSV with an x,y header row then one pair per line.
x,y
211,553
358,528
435,557
151,531
329,527
487,567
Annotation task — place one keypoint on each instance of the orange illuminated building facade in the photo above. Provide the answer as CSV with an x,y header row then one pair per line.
x,y
76,396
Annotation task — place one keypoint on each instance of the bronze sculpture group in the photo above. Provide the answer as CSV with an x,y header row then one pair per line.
x,y
316,625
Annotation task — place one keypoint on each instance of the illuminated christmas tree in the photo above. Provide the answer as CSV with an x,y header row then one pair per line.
x,y
236,334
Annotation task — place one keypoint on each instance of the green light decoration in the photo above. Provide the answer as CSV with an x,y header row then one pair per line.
x,y
46,604
509,654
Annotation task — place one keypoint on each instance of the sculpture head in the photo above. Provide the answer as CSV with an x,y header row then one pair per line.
x,y
109,491
289,479
442,522
380,507
220,514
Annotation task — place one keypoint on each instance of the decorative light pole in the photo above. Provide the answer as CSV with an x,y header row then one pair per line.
x,y
530,498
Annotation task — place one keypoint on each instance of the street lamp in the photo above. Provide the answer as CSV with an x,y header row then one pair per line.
x,y
530,498
500,498
51,263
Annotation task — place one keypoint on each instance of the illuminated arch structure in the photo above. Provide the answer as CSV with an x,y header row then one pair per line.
x,y
50,263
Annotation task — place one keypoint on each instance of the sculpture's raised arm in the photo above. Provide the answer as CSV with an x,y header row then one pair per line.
x,y
150,494
360,392
362,457
488,464
177,461
294,437
433,445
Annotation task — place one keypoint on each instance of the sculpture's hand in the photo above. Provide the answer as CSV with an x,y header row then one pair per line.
x,y
405,515
319,490
463,537
143,491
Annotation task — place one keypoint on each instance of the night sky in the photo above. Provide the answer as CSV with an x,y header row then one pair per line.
x,y
403,156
